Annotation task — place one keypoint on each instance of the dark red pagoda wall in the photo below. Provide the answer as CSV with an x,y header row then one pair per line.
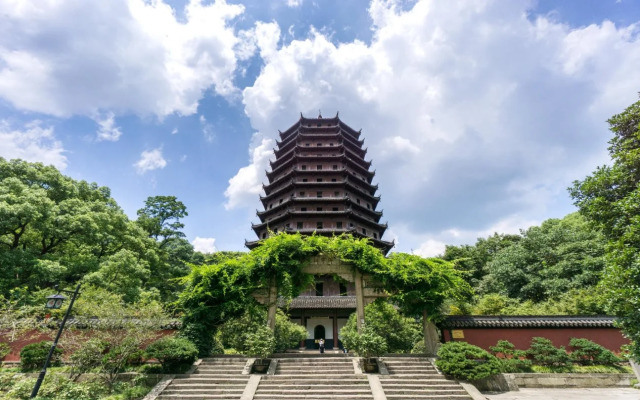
x,y
610,338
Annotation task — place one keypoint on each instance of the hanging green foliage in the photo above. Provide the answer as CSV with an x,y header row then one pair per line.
x,y
221,291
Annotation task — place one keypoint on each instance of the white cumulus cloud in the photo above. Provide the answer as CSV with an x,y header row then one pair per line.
x,y
150,160
107,129
32,143
245,186
77,57
204,245
493,113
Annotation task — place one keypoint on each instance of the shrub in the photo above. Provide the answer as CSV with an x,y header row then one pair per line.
x,y
260,342
543,352
466,362
87,357
4,350
201,336
287,334
399,332
419,348
586,352
368,344
511,360
175,354
34,355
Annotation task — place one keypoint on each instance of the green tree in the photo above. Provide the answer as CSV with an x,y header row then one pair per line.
x,y
161,216
549,260
472,259
610,199
54,229
381,318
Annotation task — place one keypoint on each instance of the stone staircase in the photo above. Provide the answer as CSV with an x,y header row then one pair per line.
x,y
314,378
306,377
416,378
214,378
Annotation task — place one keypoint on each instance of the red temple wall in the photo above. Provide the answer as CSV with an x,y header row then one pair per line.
x,y
610,338
38,336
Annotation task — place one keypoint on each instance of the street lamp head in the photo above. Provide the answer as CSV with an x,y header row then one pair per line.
x,y
55,301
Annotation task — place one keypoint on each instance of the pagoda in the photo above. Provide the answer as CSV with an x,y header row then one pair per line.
x,y
321,183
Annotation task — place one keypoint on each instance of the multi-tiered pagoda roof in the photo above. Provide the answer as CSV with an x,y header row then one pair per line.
x,y
320,182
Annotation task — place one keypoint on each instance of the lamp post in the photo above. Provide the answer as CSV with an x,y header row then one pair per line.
x,y
54,302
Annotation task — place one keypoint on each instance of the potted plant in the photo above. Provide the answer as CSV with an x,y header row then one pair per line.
x,y
260,344
369,345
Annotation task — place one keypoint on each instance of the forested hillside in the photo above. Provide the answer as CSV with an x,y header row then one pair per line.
x,y
548,269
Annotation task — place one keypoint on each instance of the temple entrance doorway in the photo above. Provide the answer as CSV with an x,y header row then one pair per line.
x,y
318,333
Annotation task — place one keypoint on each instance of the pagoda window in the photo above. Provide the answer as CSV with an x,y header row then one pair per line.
x,y
264,235
319,194
319,289
280,202
287,226
301,194
334,180
368,206
270,206
304,167
330,144
305,180
364,231
339,224
299,225
358,201
303,209
319,225
343,289
335,208
375,235
350,224
335,167
319,124
319,144
336,194
307,144
319,209
319,179
319,167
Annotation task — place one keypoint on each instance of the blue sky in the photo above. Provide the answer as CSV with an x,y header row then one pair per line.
x,y
477,114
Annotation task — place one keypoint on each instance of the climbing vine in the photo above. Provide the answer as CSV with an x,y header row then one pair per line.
x,y
222,291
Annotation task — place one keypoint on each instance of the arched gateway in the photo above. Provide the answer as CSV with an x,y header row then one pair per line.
x,y
345,290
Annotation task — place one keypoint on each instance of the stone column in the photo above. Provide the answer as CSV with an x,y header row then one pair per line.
x,y
335,329
430,335
359,301
272,302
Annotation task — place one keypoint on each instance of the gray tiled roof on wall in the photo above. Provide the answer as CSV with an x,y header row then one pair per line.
x,y
537,321
324,302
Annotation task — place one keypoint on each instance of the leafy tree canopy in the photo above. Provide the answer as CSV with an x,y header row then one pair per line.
x,y
610,199
549,260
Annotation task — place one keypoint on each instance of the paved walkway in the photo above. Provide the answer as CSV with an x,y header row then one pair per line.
x,y
569,394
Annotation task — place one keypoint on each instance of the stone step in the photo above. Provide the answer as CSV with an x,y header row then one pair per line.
x,y
311,396
307,378
180,396
207,386
310,386
212,379
430,397
204,391
316,371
